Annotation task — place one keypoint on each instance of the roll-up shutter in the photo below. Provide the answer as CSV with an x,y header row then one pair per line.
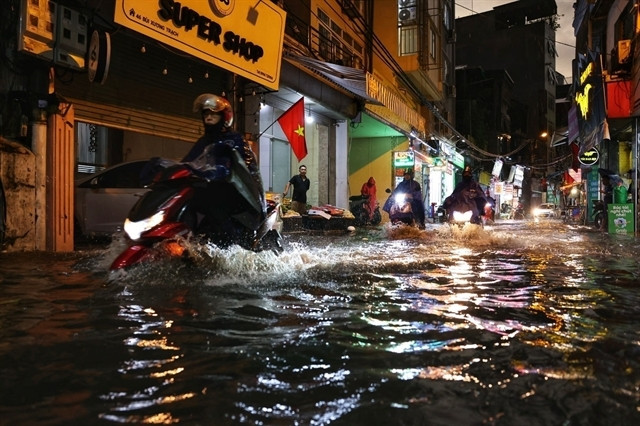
x,y
146,122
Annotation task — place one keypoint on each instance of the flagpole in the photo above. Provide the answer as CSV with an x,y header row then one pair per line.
x,y
270,126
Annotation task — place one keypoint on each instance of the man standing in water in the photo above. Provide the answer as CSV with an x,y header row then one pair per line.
x,y
300,187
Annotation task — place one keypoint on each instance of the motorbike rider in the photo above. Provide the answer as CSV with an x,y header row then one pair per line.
x,y
369,190
412,188
217,117
469,194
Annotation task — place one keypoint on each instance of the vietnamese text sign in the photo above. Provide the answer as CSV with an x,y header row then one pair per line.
x,y
403,159
620,218
244,37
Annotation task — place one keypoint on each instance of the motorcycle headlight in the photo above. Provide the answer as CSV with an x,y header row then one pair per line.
x,y
400,198
462,216
135,229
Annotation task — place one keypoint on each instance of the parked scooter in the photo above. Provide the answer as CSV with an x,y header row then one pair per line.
x,y
214,197
599,214
360,213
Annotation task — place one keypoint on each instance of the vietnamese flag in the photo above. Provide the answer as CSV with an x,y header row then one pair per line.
x,y
292,123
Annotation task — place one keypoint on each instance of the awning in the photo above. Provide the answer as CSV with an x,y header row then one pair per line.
x,y
560,137
353,80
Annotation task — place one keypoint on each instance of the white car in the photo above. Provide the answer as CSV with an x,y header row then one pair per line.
x,y
545,210
103,200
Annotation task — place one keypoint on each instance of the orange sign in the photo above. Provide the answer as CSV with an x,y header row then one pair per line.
x,y
244,37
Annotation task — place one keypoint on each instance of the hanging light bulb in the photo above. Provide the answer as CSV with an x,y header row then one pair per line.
x,y
190,79
240,99
253,93
224,94
143,49
206,74
165,71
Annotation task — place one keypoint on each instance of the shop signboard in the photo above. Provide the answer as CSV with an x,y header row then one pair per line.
x,y
620,218
244,37
589,157
497,168
403,159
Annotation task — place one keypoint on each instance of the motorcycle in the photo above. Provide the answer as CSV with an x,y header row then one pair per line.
x,y
599,215
489,211
213,197
358,209
398,205
462,207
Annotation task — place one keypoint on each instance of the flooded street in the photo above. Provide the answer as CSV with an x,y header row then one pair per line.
x,y
521,323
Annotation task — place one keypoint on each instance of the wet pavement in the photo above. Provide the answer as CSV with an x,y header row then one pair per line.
x,y
518,323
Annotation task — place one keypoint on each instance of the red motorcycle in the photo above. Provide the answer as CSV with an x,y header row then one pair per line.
x,y
214,198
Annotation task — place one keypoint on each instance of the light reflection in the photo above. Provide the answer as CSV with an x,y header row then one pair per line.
x,y
167,373
454,373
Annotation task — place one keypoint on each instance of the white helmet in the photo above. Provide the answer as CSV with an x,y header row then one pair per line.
x,y
208,101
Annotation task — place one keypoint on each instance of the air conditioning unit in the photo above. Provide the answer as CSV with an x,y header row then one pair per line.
x,y
71,38
624,51
407,15
36,28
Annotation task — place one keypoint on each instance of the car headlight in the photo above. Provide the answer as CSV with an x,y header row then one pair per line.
x,y
537,212
135,229
462,216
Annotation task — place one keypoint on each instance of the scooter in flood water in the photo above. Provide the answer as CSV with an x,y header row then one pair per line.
x,y
399,207
213,197
463,207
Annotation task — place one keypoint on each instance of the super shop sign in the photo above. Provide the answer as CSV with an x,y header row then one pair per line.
x,y
242,37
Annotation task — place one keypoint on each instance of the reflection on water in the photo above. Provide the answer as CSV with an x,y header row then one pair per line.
x,y
517,323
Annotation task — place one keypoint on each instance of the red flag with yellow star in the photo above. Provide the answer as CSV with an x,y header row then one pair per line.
x,y
292,123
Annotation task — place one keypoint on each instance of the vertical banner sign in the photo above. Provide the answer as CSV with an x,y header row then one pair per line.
x,y
589,98
497,168
593,190
240,36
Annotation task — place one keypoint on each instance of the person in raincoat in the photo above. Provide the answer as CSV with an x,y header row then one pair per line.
x,y
369,190
467,193
411,187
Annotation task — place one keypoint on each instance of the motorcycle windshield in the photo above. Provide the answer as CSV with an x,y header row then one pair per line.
x,y
222,163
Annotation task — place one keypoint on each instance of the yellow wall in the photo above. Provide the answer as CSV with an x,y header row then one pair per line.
x,y
624,158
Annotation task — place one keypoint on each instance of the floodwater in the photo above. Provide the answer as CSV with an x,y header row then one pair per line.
x,y
520,323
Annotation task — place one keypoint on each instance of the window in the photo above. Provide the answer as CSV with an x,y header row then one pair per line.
x,y
408,40
323,17
336,44
434,44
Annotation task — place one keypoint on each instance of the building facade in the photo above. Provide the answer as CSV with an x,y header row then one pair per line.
x,y
515,41
89,84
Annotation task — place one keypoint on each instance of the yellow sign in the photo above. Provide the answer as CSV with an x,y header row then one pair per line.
x,y
247,40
